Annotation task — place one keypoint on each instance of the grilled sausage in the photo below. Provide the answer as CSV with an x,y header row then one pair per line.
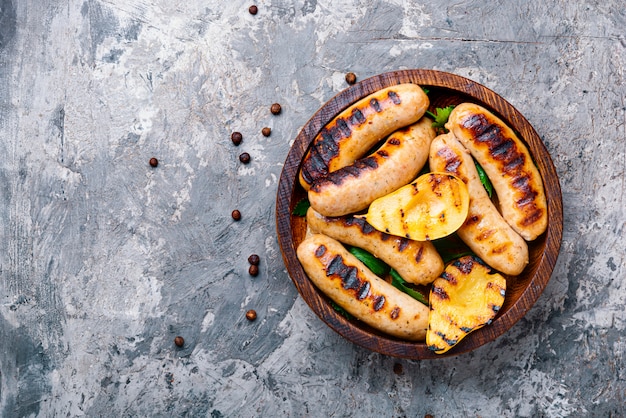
x,y
352,188
417,262
358,128
484,230
351,285
508,165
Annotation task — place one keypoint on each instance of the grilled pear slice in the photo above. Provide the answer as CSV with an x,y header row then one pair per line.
x,y
466,297
431,207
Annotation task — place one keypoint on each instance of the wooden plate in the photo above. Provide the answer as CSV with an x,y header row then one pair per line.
x,y
444,89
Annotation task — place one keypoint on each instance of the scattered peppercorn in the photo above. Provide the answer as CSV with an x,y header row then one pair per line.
x,y
254,260
154,162
236,137
253,270
253,10
266,131
397,368
236,215
428,416
350,78
251,315
276,109
179,341
244,158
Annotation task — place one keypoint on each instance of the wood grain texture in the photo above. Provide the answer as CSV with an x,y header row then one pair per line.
x,y
444,89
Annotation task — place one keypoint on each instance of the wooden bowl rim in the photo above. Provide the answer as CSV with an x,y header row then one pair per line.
x,y
288,183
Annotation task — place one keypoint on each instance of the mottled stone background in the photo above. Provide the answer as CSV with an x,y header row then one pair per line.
x,y
104,259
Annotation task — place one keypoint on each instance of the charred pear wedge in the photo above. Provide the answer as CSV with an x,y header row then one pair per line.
x,y
466,296
433,206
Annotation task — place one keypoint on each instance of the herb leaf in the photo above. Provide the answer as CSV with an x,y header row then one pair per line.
x,y
451,248
380,268
341,311
399,283
484,179
440,118
301,207
376,265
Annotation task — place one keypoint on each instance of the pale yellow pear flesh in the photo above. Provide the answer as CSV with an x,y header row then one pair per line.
x,y
466,297
433,206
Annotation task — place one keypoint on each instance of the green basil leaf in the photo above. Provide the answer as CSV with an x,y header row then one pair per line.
x,y
484,179
451,248
341,311
399,283
378,266
301,207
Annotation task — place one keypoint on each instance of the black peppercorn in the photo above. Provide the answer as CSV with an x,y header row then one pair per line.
x,y
244,158
236,215
254,260
253,10
350,78
276,109
236,137
266,131
154,162
253,270
251,315
179,341
397,368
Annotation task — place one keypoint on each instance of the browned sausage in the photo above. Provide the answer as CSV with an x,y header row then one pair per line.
x,y
351,285
508,164
484,230
397,162
416,261
358,128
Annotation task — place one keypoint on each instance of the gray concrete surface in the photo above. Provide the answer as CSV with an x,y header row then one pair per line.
x,y
104,259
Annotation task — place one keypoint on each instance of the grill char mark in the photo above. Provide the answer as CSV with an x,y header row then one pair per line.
x,y
464,264
315,167
355,170
447,340
452,161
394,97
440,293
376,105
449,278
379,302
344,128
348,274
362,224
364,291
351,279
395,313
419,255
357,118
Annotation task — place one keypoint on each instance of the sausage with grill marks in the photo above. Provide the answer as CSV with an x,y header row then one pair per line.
x,y
351,285
416,261
508,165
397,162
484,230
358,128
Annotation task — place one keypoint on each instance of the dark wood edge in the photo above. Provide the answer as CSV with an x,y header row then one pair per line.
x,y
288,184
